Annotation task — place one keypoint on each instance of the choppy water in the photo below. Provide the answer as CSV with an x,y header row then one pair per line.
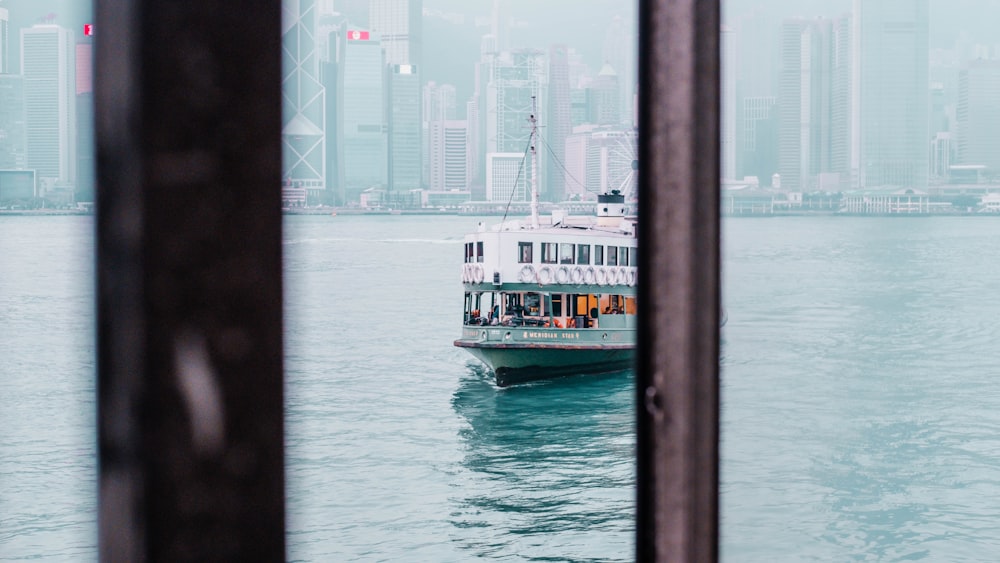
x,y
859,419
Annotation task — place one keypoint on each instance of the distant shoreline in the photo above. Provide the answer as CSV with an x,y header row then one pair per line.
x,y
356,212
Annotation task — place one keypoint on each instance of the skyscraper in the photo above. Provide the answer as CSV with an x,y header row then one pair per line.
x,y
892,89
728,102
85,162
331,38
813,104
399,24
620,51
303,101
4,25
448,156
405,127
512,97
12,126
978,114
607,97
804,101
49,71
557,120
364,113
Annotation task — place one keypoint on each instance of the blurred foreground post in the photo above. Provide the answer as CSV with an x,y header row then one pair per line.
x,y
189,293
678,369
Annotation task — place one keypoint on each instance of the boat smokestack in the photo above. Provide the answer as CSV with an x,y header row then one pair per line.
x,y
610,209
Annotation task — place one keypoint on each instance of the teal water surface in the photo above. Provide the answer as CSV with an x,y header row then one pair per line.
x,y
859,418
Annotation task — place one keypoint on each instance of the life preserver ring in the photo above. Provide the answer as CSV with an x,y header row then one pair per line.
x,y
612,276
622,276
465,273
545,275
602,276
527,274
478,273
589,276
577,275
562,274
632,276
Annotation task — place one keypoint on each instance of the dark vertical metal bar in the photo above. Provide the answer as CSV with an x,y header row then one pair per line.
x,y
677,382
189,292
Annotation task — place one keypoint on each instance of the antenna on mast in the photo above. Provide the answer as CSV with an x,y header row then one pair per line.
x,y
534,165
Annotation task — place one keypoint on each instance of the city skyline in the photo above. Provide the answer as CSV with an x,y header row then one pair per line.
x,y
829,101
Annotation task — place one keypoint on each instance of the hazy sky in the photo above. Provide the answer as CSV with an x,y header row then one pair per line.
x,y
578,23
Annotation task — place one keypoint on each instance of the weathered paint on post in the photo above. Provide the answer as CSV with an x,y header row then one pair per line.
x,y
678,345
189,292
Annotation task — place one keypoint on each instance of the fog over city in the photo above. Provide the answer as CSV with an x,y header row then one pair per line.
x,y
429,107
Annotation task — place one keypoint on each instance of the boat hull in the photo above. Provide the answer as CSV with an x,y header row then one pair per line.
x,y
525,362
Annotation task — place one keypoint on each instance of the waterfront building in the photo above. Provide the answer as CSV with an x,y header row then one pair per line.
x,y
892,92
13,140
979,115
887,201
49,72
303,139
364,113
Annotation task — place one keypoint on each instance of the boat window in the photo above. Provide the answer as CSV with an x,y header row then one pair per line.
x,y
479,251
557,310
583,254
612,256
549,253
468,252
566,251
623,256
532,304
598,255
524,251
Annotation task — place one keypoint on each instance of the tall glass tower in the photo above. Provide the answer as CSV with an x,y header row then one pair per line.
x,y
893,129
399,24
303,99
49,73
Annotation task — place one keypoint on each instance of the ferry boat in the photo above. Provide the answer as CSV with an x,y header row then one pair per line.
x,y
552,296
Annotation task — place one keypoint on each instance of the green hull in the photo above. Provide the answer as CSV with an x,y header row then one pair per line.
x,y
519,355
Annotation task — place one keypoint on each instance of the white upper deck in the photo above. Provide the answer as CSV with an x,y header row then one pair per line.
x,y
597,250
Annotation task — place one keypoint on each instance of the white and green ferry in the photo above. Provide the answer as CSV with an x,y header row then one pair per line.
x,y
552,296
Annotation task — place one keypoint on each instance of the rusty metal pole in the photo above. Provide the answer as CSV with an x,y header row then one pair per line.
x,y
678,370
189,292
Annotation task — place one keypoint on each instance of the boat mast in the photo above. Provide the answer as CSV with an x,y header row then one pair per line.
x,y
534,166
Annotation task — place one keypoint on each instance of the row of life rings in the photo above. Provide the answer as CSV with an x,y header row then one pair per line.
x,y
473,273
577,275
